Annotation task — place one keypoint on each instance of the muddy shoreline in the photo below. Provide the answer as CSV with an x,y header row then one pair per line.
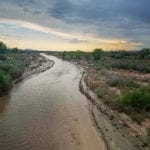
x,y
116,133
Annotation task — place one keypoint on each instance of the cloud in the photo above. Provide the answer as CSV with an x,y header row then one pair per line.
x,y
37,27
83,21
69,38
77,41
111,19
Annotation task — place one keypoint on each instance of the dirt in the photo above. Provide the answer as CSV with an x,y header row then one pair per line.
x,y
118,129
37,65
116,133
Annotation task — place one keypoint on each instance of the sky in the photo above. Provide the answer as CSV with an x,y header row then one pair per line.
x,y
75,24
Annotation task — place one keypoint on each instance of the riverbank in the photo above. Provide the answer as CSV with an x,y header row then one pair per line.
x,y
37,65
17,66
116,133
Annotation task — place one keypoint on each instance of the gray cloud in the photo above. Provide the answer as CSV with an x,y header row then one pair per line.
x,y
117,18
128,19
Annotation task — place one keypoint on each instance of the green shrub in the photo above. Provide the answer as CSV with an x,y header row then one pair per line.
x,y
144,53
135,103
141,65
5,82
138,99
3,47
12,64
2,57
97,54
5,67
16,71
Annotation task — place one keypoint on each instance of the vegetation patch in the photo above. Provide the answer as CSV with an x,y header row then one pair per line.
x,y
5,81
138,99
106,94
12,64
135,103
119,81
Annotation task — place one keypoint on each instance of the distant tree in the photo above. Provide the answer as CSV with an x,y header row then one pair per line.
x,y
2,47
145,53
15,50
63,55
79,54
2,57
97,53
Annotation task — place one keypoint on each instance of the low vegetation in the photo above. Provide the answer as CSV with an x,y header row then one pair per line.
x,y
138,99
121,81
135,103
12,64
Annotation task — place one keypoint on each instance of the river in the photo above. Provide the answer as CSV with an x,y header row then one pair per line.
x,y
48,112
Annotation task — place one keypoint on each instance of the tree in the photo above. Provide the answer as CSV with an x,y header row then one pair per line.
x,y
15,50
145,53
97,54
2,47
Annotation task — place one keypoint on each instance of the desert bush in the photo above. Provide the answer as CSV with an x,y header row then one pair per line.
x,y
15,72
144,53
91,83
12,64
2,47
3,57
116,80
5,82
97,54
140,65
105,72
108,96
5,67
135,103
138,99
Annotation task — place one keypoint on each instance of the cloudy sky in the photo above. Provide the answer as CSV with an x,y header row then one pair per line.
x,y
75,24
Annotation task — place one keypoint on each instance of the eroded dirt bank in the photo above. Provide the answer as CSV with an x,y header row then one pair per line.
x,y
37,65
48,112
116,133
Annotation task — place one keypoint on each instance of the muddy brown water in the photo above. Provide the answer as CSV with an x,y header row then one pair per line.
x,y
48,112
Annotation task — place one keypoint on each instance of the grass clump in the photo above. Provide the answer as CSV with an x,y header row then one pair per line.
x,y
5,81
106,94
135,103
139,99
121,82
